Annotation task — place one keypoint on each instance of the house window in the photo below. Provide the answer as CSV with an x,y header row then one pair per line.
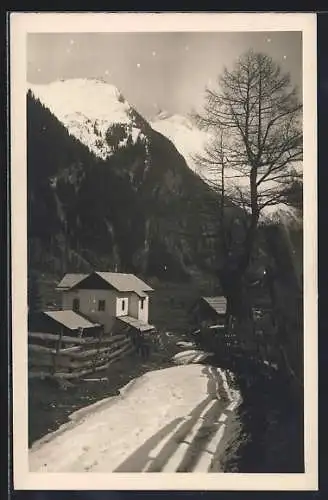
x,y
142,302
123,305
101,305
76,305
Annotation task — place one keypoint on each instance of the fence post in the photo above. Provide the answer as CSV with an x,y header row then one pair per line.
x,y
58,347
95,359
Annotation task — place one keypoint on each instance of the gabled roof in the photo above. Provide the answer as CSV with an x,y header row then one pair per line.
x,y
70,319
218,304
70,280
122,282
125,282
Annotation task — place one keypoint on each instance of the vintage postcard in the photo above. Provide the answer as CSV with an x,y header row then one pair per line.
x,y
164,228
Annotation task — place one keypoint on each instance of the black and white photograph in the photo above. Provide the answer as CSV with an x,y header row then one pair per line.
x,y
164,278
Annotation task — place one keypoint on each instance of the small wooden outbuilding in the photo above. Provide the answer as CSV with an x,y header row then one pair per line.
x,y
208,311
63,322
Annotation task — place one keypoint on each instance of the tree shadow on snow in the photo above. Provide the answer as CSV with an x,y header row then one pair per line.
x,y
139,458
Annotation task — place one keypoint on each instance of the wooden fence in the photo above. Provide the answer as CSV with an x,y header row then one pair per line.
x,y
72,357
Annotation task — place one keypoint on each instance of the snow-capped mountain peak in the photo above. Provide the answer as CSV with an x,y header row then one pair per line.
x,y
88,108
91,97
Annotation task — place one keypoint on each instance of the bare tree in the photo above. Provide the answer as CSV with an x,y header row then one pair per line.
x,y
254,117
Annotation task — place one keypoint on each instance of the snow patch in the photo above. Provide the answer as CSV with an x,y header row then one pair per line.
x,y
190,356
183,343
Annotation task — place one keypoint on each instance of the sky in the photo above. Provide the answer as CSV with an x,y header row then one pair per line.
x,y
156,71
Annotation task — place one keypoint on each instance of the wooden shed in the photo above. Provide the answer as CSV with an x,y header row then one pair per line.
x,y
208,311
63,322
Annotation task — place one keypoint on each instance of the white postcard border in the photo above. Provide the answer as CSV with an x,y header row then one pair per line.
x,y
20,25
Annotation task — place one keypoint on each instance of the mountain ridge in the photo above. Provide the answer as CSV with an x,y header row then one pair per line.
x,y
117,212
129,202
94,110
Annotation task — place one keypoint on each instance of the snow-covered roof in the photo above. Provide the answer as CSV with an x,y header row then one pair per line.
x,y
70,319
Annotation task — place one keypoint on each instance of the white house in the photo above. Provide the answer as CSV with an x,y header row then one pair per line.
x,y
105,296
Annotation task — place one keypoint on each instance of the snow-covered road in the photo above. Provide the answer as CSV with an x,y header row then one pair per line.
x,y
172,420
